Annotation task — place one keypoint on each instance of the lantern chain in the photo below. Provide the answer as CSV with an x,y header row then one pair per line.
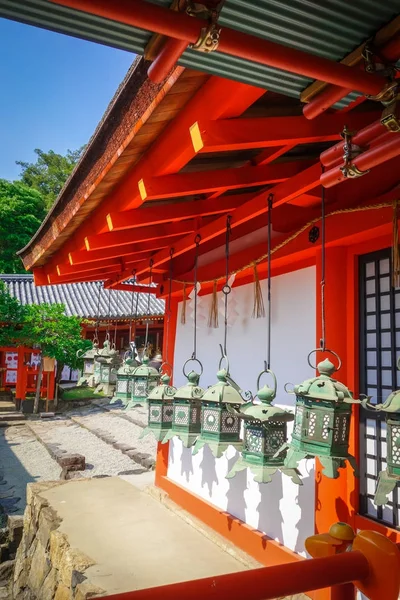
x,y
226,290
116,319
131,311
323,332
109,316
197,241
171,254
148,305
270,200
96,332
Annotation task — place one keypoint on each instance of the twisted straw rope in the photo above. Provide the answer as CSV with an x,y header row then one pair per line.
x,y
290,239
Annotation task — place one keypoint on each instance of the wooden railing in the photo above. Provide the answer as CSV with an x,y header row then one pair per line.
x,y
370,562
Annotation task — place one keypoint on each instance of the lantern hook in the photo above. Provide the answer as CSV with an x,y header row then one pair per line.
x,y
286,388
329,352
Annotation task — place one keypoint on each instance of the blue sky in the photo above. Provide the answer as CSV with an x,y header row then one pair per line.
x,y
54,90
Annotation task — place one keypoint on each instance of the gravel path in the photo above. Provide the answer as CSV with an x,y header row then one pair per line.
x,y
23,460
101,459
114,426
137,415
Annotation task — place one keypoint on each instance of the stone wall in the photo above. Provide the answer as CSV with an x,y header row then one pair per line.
x,y
46,567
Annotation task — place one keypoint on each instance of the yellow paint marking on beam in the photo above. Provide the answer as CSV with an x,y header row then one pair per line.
x,y
142,189
109,222
195,134
58,270
48,279
87,245
71,262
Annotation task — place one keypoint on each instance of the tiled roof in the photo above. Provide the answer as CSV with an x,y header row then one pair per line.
x,y
81,299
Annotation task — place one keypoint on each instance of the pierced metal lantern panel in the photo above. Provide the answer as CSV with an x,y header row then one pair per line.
x,y
186,419
88,367
160,409
322,422
143,380
220,427
389,478
265,434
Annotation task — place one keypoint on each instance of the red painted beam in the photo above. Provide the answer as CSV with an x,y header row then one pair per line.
x,y
265,132
117,238
110,264
271,154
168,213
167,58
128,251
181,26
203,182
361,138
101,275
283,192
130,287
169,153
365,161
332,94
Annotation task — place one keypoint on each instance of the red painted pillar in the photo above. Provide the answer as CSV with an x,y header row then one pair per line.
x,y
169,335
331,498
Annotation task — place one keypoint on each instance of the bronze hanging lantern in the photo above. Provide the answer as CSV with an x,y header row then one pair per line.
x,y
388,479
144,378
123,390
160,399
109,361
160,409
322,421
186,419
265,431
220,424
220,427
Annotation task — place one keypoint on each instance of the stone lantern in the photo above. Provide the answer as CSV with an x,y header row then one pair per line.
x,y
265,432
322,422
186,418
388,479
220,427
160,406
144,379
109,361
88,372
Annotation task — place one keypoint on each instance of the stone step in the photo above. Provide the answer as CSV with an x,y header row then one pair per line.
x,y
4,424
7,407
11,416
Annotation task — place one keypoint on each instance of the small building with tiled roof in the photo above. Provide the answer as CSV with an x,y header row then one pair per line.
x,y
113,310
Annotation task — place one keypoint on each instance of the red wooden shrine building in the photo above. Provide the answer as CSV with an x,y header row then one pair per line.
x,y
193,136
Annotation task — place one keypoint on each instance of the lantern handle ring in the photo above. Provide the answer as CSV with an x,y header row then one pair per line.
x,y
192,359
267,371
329,352
286,388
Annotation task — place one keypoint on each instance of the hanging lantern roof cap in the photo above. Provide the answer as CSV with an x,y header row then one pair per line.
x,y
222,391
92,352
164,391
191,390
324,387
128,367
145,370
264,412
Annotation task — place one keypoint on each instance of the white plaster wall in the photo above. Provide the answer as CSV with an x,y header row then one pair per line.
x,y
280,509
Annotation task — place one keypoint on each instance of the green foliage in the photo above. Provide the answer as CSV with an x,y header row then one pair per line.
x,y
12,314
21,212
58,336
49,173
81,393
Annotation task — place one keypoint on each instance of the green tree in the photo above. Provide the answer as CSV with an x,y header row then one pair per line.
x,y
58,336
49,173
21,212
12,315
